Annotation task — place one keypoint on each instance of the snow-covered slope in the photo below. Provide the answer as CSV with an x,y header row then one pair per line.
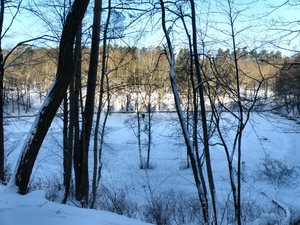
x,y
34,209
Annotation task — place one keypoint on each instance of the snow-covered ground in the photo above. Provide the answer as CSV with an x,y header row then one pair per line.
x,y
35,209
266,137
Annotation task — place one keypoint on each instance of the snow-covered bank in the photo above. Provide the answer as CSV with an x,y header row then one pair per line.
x,y
35,209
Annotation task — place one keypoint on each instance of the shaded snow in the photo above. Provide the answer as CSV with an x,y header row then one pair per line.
x,y
34,209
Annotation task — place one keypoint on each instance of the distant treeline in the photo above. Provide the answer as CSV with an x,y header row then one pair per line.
x,y
140,75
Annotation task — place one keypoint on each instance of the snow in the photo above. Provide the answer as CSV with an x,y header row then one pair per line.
x,y
266,134
35,209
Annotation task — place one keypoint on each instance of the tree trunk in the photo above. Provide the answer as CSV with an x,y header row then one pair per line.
x,y
68,142
203,114
103,128
76,157
241,124
2,153
195,124
65,138
12,101
149,132
139,137
18,100
96,174
90,100
181,117
128,100
53,100
188,115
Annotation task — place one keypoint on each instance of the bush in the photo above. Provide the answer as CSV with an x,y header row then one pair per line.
x,y
144,166
7,172
158,210
168,208
188,210
53,186
277,172
117,201
55,191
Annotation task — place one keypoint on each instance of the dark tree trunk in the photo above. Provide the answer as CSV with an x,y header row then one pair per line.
x,y
149,132
2,153
197,159
240,126
1,96
54,97
18,100
139,137
68,140
100,105
203,114
73,122
188,117
65,132
76,157
68,152
128,99
90,99
28,98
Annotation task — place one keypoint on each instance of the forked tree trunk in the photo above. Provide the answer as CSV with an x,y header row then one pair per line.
x,y
73,120
241,124
203,114
53,100
90,101
195,120
181,118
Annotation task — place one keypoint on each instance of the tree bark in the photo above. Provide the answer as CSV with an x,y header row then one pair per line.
x,y
100,105
203,114
149,135
139,136
90,99
2,153
66,140
241,124
182,119
54,97
77,86
195,119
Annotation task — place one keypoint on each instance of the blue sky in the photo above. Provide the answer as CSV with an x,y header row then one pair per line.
x,y
27,26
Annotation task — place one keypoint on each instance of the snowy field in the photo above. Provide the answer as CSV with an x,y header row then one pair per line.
x,y
268,139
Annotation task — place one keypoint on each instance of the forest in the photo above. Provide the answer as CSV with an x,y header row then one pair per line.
x,y
166,112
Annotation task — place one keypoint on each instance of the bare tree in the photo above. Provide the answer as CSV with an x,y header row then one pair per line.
x,y
76,107
203,113
53,100
98,155
226,80
89,104
3,60
198,176
71,132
